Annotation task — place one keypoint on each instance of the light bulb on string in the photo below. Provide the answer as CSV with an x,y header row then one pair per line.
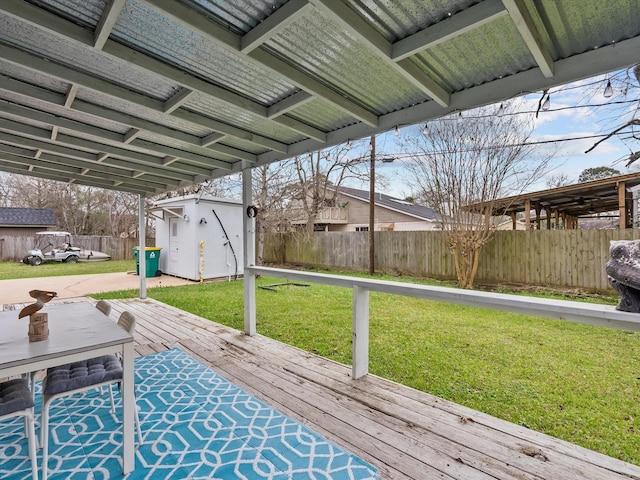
x,y
396,132
348,146
371,146
459,116
608,90
547,103
500,110
425,130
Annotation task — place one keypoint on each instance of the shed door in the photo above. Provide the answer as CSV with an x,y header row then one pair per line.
x,y
174,246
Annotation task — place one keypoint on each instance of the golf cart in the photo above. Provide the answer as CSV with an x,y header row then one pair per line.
x,y
46,250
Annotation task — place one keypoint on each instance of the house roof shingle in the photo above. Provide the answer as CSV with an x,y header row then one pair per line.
x,y
387,201
27,217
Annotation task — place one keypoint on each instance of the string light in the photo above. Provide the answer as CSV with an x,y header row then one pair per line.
x,y
371,146
348,146
500,110
425,130
460,116
396,132
547,103
608,90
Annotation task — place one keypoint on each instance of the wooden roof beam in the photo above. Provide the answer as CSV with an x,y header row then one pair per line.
x,y
530,34
108,19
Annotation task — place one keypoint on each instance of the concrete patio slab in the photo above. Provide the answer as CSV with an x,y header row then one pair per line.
x,y
17,291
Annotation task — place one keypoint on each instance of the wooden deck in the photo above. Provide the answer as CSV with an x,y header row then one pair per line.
x,y
401,431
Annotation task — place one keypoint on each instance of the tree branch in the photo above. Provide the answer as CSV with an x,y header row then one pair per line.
x,y
635,121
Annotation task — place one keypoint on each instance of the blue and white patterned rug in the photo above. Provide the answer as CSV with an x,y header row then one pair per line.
x,y
195,425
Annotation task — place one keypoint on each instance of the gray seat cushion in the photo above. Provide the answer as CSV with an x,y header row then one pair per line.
x,y
15,396
77,375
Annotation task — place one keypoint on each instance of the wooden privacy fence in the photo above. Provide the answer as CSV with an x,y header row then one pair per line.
x,y
558,258
15,248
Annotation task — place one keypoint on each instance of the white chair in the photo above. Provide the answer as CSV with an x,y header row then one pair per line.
x,y
81,376
104,307
15,401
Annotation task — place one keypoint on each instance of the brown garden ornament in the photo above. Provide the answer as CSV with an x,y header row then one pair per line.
x,y
38,322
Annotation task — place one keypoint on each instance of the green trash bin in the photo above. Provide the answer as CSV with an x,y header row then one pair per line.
x,y
152,258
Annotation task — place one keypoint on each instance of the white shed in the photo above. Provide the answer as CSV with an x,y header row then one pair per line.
x,y
200,237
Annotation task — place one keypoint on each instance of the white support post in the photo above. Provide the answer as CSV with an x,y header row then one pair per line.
x,y
360,346
142,254
249,230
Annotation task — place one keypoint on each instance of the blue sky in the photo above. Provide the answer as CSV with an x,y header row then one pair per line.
x,y
563,120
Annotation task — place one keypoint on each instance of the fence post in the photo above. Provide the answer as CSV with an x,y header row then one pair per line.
x,y
360,332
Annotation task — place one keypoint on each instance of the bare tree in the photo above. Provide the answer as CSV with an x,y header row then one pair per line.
x,y
81,210
559,180
229,186
475,158
269,194
319,175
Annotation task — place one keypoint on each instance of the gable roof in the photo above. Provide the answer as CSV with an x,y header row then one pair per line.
x,y
27,217
147,96
392,203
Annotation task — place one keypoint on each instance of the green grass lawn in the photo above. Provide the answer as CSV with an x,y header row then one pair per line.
x,y
13,270
573,381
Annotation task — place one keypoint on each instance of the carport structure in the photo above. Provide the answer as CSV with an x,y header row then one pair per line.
x,y
563,206
146,96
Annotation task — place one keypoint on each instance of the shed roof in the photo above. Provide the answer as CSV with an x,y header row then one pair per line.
x,y
27,217
147,96
576,200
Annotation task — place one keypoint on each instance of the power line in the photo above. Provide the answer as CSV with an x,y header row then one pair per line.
x,y
520,144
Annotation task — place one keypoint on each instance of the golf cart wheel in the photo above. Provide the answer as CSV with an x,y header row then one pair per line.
x,y
35,261
71,259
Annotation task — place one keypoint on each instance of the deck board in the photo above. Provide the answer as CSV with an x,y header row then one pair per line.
x,y
403,432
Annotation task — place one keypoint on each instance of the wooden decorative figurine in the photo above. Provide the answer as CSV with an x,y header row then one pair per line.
x,y
38,322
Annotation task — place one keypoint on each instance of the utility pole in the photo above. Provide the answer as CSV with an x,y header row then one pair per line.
x,y
372,205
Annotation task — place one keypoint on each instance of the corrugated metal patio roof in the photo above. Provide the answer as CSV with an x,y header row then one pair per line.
x,y
147,96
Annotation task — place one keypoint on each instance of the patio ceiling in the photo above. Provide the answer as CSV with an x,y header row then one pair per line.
x,y
146,96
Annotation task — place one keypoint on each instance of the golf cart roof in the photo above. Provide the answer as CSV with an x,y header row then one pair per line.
x,y
54,233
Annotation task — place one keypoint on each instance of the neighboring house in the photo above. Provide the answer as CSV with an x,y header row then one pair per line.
x,y
350,213
508,225
25,221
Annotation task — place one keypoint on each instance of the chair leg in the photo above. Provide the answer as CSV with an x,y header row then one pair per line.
x,y
33,441
44,443
113,403
138,430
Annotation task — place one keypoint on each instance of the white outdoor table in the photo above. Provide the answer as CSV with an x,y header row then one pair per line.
x,y
77,331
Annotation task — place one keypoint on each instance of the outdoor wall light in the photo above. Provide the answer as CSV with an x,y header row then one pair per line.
x,y
185,218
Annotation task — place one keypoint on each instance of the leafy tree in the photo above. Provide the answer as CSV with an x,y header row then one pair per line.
x,y
476,158
596,173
